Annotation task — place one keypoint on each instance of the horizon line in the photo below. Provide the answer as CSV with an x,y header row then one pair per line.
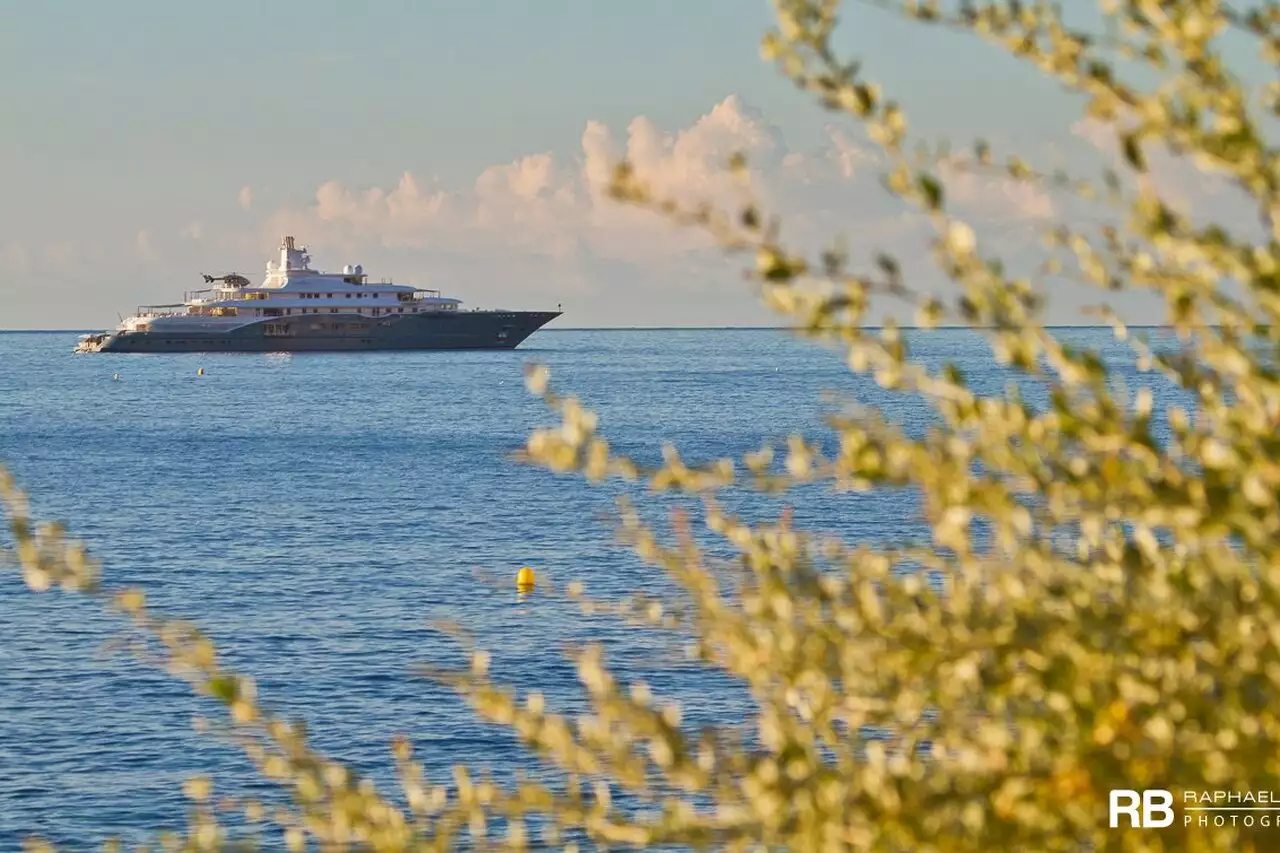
x,y
876,327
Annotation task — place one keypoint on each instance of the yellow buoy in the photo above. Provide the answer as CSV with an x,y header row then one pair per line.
x,y
525,579
117,376
200,372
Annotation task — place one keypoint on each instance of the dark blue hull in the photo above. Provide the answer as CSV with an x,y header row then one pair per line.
x,y
346,333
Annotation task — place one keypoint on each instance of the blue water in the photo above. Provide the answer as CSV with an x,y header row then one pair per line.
x,y
315,513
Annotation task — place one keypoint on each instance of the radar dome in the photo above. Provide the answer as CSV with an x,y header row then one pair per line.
x,y
348,269
359,270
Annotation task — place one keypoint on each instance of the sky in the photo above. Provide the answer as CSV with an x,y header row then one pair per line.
x,y
462,145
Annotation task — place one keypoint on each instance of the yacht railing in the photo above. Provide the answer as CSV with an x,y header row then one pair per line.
x,y
218,294
213,311
155,310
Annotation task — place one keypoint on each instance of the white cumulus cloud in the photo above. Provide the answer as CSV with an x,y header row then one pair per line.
x,y
539,229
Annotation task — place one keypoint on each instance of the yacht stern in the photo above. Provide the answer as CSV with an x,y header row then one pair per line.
x,y
93,343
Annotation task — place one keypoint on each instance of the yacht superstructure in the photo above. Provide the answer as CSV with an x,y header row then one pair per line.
x,y
298,309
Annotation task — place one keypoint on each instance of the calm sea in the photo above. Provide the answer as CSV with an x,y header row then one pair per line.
x,y
316,513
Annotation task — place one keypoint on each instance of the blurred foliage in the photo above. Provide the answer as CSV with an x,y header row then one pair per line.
x,y
1037,677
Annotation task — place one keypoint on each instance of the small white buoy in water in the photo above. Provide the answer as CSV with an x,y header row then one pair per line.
x,y
200,372
117,376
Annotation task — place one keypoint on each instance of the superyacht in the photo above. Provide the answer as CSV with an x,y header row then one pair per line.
x,y
298,309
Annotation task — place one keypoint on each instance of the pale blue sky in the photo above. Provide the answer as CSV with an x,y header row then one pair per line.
x,y
136,116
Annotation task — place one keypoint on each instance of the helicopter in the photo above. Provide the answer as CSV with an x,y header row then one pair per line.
x,y
232,279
